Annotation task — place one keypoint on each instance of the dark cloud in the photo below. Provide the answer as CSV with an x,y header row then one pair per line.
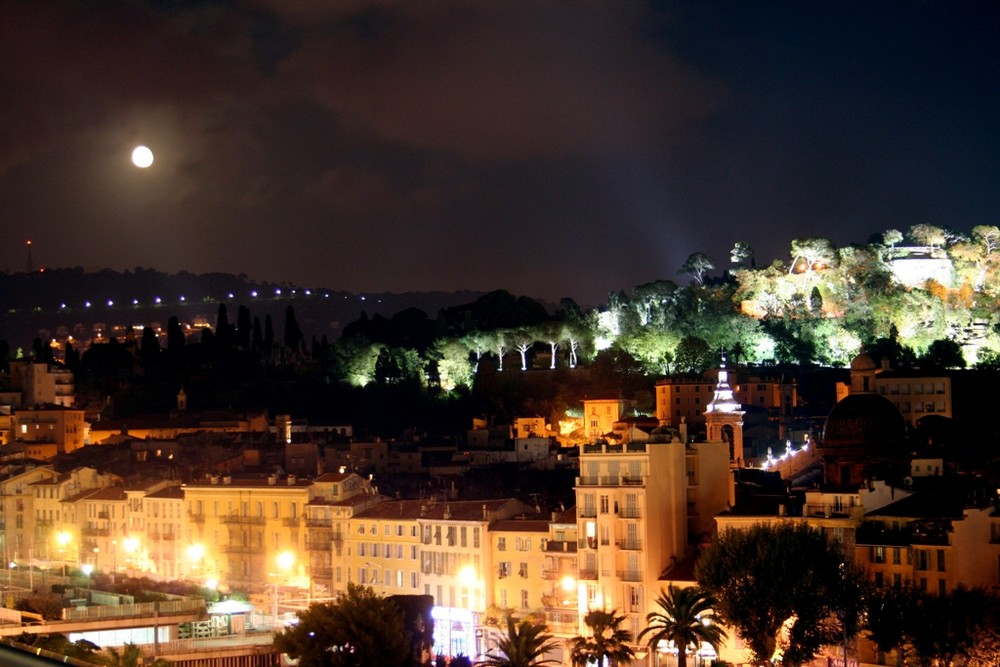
x,y
551,148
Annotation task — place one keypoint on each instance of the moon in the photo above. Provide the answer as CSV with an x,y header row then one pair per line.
x,y
142,157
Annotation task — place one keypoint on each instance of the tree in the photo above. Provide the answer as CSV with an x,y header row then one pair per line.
x,y
687,618
891,237
781,586
607,640
692,355
740,253
696,265
988,236
525,643
815,253
943,353
928,235
293,334
360,629
130,655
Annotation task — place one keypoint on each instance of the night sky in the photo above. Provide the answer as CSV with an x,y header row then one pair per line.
x,y
550,148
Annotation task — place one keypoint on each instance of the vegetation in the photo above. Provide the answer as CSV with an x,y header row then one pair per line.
x,y
786,589
686,617
934,303
360,629
524,644
962,626
606,642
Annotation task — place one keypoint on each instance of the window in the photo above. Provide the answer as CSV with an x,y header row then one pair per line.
x,y
413,580
503,597
522,544
503,570
878,579
942,587
604,504
463,536
895,556
524,599
940,560
501,544
878,554
522,570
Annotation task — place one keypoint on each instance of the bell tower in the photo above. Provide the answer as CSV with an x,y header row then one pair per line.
x,y
724,418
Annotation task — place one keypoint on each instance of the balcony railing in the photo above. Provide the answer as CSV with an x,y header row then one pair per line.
x,y
322,572
560,546
629,513
292,522
629,575
588,575
240,549
197,518
318,545
630,545
243,519
319,522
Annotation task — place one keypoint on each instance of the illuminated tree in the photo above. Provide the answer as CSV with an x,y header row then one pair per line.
x,y
692,355
814,253
988,236
361,628
891,237
607,643
928,235
686,617
696,265
740,253
523,645
782,587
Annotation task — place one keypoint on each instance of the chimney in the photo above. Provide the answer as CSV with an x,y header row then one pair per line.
x,y
486,514
291,480
272,480
227,479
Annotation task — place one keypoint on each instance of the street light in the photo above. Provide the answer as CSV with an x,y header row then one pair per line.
x,y
285,561
63,539
131,546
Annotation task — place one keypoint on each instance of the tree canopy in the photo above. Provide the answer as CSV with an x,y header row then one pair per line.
x,y
786,589
359,630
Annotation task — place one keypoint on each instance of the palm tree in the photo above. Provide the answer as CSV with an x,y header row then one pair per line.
x,y
685,618
525,643
607,641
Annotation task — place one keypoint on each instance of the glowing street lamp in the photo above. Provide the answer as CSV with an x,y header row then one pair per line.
x,y
63,538
285,561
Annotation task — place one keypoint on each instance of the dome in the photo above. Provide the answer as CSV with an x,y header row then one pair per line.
x,y
864,419
863,362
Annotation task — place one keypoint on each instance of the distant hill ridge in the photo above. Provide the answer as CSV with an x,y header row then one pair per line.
x,y
32,304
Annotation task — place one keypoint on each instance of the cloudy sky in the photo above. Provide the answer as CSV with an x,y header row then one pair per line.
x,y
548,147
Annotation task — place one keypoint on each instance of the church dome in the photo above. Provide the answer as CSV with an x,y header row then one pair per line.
x,y
863,362
866,420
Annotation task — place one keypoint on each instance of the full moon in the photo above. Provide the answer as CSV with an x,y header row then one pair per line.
x,y
142,157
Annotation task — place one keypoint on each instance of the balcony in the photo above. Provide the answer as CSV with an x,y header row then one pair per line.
x,y
96,532
588,543
168,536
588,575
633,481
629,575
292,522
321,572
240,549
629,545
319,522
103,515
243,520
317,545
560,546
629,513
196,518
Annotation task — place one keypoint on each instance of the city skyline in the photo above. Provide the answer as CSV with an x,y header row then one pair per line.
x,y
549,149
